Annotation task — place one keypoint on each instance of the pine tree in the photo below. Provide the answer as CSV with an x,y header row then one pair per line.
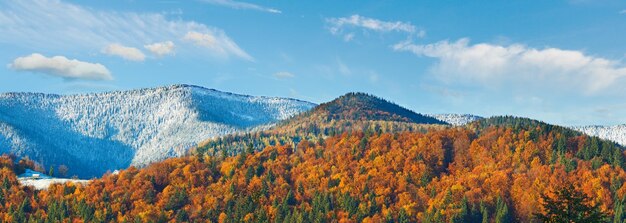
x,y
25,207
2,199
485,212
570,205
6,184
403,217
618,158
503,215
182,216
618,211
464,214
290,199
250,149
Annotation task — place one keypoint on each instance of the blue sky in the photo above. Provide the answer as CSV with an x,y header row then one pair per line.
x,y
557,61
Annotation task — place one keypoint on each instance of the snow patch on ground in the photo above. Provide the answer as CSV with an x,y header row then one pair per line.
x,y
42,184
41,181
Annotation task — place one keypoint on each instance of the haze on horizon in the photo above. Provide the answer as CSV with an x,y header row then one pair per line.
x,y
558,61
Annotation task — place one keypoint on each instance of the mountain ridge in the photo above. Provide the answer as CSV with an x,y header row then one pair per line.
x,y
147,125
171,86
354,111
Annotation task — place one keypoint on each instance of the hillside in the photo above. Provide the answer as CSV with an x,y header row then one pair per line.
x,y
348,113
362,106
93,133
616,133
496,170
456,119
353,111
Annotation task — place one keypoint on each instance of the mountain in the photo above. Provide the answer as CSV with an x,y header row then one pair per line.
x,y
491,170
348,113
362,106
591,147
456,119
93,133
355,108
537,127
616,133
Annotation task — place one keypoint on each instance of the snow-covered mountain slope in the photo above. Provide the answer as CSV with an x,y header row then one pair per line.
x,y
456,119
93,133
616,133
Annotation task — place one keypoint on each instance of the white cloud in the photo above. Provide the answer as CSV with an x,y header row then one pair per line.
x,y
373,77
60,66
337,26
348,37
128,53
241,5
161,49
421,33
284,75
622,12
343,68
53,25
216,43
519,64
369,23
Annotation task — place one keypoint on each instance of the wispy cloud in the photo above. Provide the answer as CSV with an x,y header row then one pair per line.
x,y
373,77
343,68
128,53
161,49
217,42
283,75
622,12
61,66
519,65
343,26
241,5
55,25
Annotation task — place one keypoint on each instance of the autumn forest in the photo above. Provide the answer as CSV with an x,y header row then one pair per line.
x,y
364,169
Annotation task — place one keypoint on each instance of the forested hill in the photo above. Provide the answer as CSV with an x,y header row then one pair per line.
x,y
503,171
348,113
362,106
355,111
586,147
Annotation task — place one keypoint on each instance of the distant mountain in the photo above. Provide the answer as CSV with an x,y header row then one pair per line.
x,y
616,133
355,111
93,133
362,106
456,119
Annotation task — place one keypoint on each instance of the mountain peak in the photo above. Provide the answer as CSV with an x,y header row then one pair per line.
x,y
363,106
